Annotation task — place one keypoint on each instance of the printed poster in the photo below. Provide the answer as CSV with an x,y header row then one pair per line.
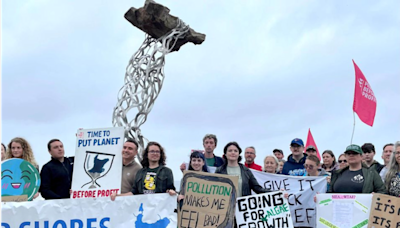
x,y
343,210
153,210
98,162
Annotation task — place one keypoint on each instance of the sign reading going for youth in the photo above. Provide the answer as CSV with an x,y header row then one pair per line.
x,y
209,200
263,210
385,211
18,178
343,210
98,162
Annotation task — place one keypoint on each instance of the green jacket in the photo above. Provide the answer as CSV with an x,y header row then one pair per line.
x,y
372,181
164,180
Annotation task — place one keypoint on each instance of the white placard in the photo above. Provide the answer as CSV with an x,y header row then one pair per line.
x,y
98,162
343,210
263,210
301,194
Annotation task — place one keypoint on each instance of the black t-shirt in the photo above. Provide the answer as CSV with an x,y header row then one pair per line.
x,y
150,181
349,182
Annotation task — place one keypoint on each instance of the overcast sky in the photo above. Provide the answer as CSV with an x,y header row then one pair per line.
x,y
266,73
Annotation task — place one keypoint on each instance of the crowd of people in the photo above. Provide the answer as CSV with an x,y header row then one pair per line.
x,y
355,171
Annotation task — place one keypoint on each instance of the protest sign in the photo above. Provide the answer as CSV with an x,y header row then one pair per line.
x,y
343,210
18,178
301,194
268,210
98,162
209,200
385,211
152,210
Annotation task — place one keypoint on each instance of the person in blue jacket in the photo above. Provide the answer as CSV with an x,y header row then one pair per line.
x,y
295,163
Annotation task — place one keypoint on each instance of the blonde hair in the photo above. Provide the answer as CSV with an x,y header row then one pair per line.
x,y
276,161
27,153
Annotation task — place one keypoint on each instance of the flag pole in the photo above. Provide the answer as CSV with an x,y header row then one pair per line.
x,y
354,127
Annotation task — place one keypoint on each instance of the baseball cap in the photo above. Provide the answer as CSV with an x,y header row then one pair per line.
x,y
297,141
277,150
354,148
311,148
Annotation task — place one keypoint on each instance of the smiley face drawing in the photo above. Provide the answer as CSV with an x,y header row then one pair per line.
x,y
19,177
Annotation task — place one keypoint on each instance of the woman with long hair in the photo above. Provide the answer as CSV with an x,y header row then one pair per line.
x,y
342,161
20,148
392,178
154,177
329,161
231,166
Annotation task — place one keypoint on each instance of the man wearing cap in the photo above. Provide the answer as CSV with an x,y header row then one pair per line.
x,y
250,155
311,150
278,154
356,178
295,163
369,153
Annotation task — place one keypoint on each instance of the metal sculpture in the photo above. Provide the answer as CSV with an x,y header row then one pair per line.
x,y
145,72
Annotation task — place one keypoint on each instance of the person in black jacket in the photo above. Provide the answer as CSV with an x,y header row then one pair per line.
x,y
247,181
154,177
56,175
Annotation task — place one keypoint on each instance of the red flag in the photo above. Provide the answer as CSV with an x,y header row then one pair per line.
x,y
311,142
364,99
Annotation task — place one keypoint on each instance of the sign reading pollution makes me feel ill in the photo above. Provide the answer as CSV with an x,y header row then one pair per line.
x,y
268,210
209,200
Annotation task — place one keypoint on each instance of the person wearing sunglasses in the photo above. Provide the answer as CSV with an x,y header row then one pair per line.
x,y
342,161
356,178
312,166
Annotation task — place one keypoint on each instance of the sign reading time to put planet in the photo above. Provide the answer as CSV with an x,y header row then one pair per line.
x,y
19,177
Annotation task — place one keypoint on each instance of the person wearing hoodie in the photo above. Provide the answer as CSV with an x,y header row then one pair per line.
x,y
356,178
369,153
295,163
312,166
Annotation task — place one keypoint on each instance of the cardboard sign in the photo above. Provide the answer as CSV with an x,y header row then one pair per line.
x,y
343,210
19,177
152,210
14,198
98,162
385,211
209,200
269,210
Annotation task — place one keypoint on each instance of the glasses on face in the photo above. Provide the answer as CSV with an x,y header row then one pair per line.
x,y
308,166
154,152
344,161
